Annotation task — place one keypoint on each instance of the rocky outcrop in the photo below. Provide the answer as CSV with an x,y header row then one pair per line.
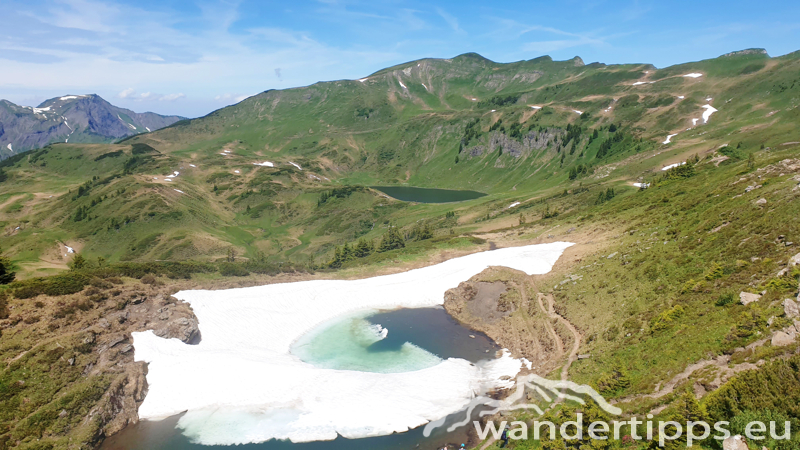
x,y
734,443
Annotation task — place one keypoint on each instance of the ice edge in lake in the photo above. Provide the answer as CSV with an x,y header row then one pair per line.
x,y
242,385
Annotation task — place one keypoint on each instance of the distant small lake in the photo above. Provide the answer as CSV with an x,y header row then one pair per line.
x,y
427,195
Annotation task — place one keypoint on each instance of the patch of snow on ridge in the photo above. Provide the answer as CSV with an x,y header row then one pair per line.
x,y
694,122
261,391
71,97
264,164
709,110
9,147
148,129
363,79
693,75
577,112
681,97
401,83
638,83
178,190
640,185
534,107
69,249
513,205
672,166
669,138
296,165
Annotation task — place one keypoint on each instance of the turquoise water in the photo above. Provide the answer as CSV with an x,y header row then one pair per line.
x,y
427,195
355,343
413,339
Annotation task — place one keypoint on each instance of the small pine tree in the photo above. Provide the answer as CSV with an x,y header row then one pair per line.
x,y
392,240
78,262
6,275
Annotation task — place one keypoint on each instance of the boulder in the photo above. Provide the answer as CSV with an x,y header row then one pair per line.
x,y
794,260
761,201
746,298
734,443
791,309
781,339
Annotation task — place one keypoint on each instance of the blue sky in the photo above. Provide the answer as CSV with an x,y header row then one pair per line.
x,y
192,57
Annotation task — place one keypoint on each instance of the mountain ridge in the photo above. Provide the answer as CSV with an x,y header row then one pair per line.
x,y
84,118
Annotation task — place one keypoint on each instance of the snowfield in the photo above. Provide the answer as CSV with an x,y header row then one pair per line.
x,y
669,138
241,384
264,164
709,110
693,75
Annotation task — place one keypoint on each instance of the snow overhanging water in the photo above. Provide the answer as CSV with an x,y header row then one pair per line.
x,y
242,384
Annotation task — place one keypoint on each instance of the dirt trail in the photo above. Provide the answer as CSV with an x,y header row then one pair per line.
x,y
573,354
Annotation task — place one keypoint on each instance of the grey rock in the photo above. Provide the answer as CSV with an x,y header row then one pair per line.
x,y
794,260
781,339
761,201
126,348
734,443
746,298
791,308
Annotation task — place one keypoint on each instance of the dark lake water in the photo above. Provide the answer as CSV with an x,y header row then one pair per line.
x,y
427,195
431,329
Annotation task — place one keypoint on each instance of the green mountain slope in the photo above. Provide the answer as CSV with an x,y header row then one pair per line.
x,y
515,131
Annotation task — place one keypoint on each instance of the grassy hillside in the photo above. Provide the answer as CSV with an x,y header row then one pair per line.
x,y
463,123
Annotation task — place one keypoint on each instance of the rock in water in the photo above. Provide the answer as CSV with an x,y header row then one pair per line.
x,y
791,309
747,298
734,443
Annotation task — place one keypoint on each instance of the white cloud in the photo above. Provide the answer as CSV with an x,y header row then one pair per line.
x,y
131,94
171,97
451,20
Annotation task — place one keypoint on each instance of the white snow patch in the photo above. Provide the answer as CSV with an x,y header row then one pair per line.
x,y
709,99
513,205
296,165
494,110
70,97
401,83
155,178
672,166
167,179
264,164
638,83
694,122
9,147
536,107
426,87
693,75
261,391
577,112
709,110
364,79
148,129
669,137
192,165
680,97
235,171
639,185
69,249
224,154
474,99
176,174
527,363
178,190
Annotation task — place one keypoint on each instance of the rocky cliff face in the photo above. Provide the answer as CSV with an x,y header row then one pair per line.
x,y
72,118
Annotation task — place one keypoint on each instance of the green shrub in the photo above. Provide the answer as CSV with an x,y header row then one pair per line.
x,y
714,272
666,318
228,269
725,299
